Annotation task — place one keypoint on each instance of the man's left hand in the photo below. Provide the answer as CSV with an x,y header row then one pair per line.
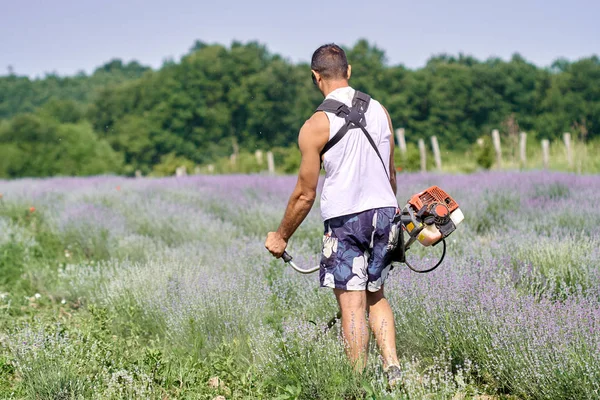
x,y
275,244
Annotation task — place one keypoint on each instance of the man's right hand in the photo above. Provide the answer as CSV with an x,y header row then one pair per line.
x,y
275,244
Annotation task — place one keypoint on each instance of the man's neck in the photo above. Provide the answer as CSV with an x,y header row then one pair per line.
x,y
330,86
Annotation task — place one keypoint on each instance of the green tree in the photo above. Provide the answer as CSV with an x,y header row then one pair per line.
x,y
37,146
20,94
218,100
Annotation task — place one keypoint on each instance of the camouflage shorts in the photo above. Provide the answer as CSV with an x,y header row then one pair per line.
x,y
357,250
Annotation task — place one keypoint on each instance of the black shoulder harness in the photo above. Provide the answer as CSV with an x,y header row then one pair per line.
x,y
355,118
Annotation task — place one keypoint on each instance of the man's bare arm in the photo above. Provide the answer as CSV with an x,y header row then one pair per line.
x,y
311,140
305,192
392,145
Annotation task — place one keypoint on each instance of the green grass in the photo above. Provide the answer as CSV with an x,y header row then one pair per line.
x,y
61,344
584,159
151,315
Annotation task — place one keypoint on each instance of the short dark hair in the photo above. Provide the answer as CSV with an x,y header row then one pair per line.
x,y
330,61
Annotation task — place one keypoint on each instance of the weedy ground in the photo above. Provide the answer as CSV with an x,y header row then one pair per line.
x,y
114,288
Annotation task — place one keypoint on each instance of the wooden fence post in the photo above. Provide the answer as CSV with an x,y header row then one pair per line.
x,y
271,163
567,140
523,149
181,171
423,155
401,140
546,152
259,156
496,140
436,153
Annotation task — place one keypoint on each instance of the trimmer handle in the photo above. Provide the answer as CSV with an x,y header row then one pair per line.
x,y
288,259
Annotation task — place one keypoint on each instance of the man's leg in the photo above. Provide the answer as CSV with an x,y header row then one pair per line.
x,y
381,321
354,325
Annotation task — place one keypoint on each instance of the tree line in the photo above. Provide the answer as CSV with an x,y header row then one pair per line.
x,y
220,100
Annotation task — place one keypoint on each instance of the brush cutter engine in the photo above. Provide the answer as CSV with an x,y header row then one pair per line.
x,y
428,217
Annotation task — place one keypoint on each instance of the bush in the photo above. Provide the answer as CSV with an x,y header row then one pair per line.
x,y
484,153
411,160
37,145
287,159
169,164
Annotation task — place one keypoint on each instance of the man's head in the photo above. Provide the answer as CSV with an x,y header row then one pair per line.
x,y
329,66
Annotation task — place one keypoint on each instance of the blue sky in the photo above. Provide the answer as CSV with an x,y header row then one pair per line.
x,y
68,36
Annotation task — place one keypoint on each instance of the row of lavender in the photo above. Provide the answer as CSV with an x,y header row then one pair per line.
x,y
514,309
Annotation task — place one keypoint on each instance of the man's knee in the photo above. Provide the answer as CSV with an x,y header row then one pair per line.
x,y
350,300
374,297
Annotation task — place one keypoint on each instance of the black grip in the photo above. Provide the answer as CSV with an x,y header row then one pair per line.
x,y
286,257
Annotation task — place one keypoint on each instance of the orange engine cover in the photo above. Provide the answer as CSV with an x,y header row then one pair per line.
x,y
432,195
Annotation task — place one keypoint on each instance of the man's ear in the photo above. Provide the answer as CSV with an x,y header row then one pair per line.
x,y
349,71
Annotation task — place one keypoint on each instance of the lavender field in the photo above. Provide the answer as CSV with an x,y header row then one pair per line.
x,y
116,288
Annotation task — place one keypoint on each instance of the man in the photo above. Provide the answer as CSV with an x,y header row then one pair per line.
x,y
358,203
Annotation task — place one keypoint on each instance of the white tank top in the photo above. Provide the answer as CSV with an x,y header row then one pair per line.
x,y
355,179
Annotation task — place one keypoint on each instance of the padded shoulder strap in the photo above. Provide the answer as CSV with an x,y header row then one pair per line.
x,y
355,116
334,106
360,104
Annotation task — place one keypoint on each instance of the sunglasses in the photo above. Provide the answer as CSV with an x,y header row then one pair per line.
x,y
314,78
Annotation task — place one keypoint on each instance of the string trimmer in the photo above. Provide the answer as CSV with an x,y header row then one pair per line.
x,y
428,217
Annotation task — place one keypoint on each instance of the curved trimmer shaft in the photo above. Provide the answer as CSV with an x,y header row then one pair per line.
x,y
288,259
